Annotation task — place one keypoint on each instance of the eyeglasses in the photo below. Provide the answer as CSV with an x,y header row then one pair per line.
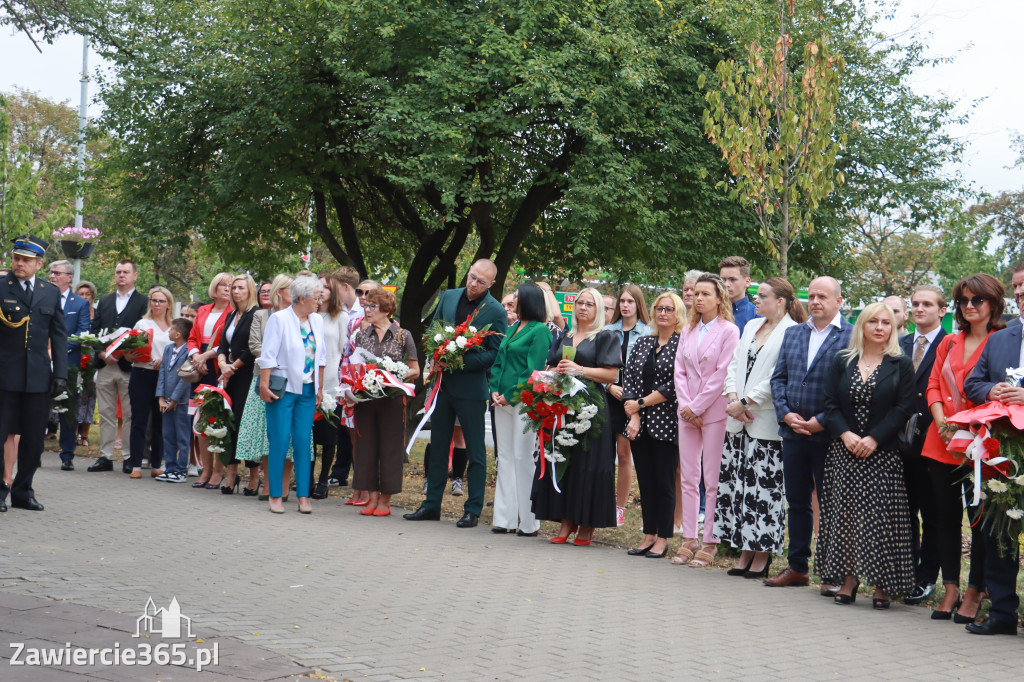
x,y
585,304
664,309
158,301
360,292
370,307
61,272
264,291
478,280
975,301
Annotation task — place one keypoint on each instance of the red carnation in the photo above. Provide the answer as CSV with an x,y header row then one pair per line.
x,y
85,362
133,333
526,398
991,447
211,420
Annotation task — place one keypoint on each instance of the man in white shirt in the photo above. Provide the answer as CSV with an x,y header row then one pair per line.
x,y
118,310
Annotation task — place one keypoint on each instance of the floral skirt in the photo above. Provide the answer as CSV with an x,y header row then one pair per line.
x,y
750,513
253,443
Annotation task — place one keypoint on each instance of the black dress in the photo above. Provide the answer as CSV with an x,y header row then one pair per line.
x,y
865,515
588,484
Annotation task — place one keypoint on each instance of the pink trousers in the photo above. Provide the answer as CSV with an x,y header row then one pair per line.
x,y
700,449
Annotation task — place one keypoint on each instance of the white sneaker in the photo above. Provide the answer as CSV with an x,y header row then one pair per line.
x,y
178,478
166,477
700,518
457,487
620,516
193,470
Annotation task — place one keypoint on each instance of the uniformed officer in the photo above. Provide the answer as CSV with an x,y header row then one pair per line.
x,y
31,323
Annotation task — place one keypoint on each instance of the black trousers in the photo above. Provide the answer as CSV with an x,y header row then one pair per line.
x,y
947,487
326,435
145,406
656,463
803,467
1001,578
924,533
25,414
459,459
343,462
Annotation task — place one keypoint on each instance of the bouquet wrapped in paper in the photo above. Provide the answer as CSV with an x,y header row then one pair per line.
x,y
564,411
135,341
215,421
367,377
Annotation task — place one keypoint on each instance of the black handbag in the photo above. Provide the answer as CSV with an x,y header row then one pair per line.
x,y
907,435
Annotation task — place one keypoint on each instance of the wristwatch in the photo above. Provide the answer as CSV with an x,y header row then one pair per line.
x,y
743,401
640,402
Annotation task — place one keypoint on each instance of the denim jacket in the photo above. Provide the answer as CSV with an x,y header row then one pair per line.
x,y
641,328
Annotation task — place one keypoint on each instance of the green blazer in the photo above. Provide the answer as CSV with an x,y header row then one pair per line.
x,y
470,382
519,355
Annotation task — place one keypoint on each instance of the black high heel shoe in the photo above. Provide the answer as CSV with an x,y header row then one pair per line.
x,y
319,492
659,555
640,551
879,604
754,575
947,615
740,571
231,489
847,599
252,492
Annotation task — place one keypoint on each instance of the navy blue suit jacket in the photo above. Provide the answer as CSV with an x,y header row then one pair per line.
x,y
924,371
78,321
1002,352
801,389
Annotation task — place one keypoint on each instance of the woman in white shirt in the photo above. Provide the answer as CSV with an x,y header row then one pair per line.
x,y
325,434
294,353
142,383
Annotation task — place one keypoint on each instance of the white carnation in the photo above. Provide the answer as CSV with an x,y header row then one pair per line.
x,y
997,486
215,449
212,432
1015,513
461,342
438,338
451,347
62,396
472,329
449,330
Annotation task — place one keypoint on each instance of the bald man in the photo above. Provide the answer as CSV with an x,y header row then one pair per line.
x,y
464,394
798,393
899,309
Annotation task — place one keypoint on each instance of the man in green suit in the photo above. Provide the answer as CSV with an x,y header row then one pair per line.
x,y
464,395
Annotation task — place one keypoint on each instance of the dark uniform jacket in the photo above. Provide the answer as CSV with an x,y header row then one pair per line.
x,y
25,350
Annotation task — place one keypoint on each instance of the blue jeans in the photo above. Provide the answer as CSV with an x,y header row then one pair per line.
x,y
177,432
290,418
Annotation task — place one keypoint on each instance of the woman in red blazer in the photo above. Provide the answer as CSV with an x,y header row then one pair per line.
x,y
203,343
705,350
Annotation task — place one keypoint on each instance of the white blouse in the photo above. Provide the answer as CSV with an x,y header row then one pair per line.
x,y
283,351
335,340
160,341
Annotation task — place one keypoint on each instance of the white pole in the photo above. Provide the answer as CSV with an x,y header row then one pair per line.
x,y
82,120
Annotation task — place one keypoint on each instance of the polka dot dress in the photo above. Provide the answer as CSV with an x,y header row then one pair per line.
x,y
865,528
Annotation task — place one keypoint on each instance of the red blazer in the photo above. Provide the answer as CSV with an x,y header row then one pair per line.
x,y
195,338
939,391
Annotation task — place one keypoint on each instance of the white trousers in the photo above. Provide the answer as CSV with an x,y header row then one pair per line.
x,y
516,471
111,382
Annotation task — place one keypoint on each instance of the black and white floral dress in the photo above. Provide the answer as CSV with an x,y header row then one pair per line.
x,y
750,514
865,525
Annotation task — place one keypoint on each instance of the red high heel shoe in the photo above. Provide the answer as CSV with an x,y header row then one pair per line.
x,y
583,543
561,540
368,511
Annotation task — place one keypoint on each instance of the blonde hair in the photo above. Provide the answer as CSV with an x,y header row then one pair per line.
x,y
250,284
218,279
856,347
680,313
724,304
598,314
168,311
282,281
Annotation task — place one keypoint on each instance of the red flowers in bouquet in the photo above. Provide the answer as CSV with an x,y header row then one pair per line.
x,y
448,345
135,342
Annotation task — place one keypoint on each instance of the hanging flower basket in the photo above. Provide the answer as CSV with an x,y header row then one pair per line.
x,y
74,249
76,242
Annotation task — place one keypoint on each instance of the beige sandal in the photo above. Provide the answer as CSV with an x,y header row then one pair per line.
x,y
703,558
685,553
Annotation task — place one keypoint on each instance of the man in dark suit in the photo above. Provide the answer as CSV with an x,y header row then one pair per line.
x,y
76,321
928,306
31,323
1017,280
798,393
988,382
464,395
118,310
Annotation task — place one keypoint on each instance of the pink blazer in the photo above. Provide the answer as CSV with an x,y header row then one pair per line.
x,y
701,369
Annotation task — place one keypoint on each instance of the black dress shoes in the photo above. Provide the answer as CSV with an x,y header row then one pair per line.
x,y
67,465
640,551
521,534
991,626
26,503
499,530
468,520
126,467
101,464
919,593
423,514
3,497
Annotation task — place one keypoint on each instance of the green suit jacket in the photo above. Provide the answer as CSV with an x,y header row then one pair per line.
x,y
470,382
519,355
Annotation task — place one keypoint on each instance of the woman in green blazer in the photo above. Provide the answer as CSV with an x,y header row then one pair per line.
x,y
523,350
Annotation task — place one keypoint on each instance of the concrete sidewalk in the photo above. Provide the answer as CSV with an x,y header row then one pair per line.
x,y
367,598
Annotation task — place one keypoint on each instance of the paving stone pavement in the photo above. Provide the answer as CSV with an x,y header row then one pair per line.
x,y
363,598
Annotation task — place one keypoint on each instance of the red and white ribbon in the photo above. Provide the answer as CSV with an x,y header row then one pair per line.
x,y
200,398
428,409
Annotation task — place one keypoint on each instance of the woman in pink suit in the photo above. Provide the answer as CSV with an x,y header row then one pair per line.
x,y
705,350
